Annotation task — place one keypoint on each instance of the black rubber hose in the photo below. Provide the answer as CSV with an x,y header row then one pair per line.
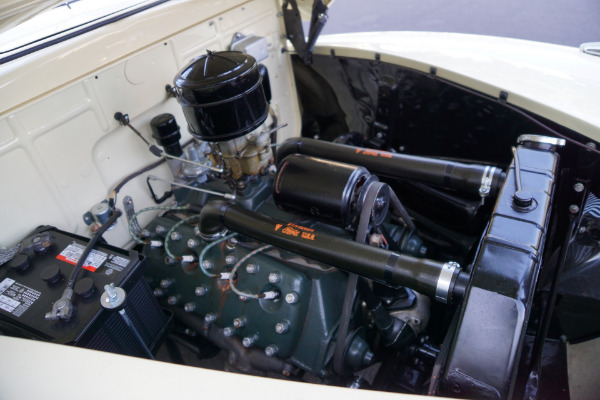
x,y
450,174
370,262
79,266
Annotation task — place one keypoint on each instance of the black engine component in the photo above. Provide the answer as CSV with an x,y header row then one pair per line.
x,y
222,95
166,132
334,199
485,352
479,179
429,277
26,296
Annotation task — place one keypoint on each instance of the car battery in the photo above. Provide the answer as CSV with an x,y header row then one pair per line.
x,y
34,279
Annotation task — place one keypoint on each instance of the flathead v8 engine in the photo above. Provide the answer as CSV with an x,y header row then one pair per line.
x,y
299,258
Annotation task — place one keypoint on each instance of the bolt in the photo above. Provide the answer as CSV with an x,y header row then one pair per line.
x,y
271,350
160,229
210,317
201,291
291,298
189,307
175,236
158,292
172,300
169,260
248,341
206,264
231,243
578,187
165,283
573,209
239,322
282,327
190,332
251,268
591,145
191,243
230,259
274,277
211,23
111,292
229,331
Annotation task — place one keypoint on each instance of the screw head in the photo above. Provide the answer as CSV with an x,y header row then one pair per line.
x,y
169,260
158,292
191,243
206,264
230,259
248,341
239,322
189,307
228,331
175,236
291,298
274,277
251,268
271,350
210,317
282,327
165,283
160,229
201,291
172,300
573,209
578,187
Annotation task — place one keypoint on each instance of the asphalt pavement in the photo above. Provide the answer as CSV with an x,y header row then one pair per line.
x,y
566,22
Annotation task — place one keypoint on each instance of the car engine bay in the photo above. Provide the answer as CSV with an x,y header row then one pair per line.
x,y
418,237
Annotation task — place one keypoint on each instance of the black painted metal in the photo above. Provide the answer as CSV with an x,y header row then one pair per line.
x,y
370,262
323,189
485,352
424,169
222,95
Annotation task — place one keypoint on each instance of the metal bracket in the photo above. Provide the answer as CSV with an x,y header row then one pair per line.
x,y
295,32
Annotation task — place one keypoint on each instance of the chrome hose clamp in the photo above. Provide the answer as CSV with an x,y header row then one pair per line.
x,y
444,283
486,182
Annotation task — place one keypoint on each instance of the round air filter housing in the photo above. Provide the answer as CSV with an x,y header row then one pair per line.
x,y
222,95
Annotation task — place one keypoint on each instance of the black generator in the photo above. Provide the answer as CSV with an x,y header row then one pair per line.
x,y
35,279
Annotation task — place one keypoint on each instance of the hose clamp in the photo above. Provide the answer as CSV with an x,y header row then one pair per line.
x,y
486,181
447,274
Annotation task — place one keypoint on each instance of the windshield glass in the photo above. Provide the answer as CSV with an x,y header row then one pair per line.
x,y
62,19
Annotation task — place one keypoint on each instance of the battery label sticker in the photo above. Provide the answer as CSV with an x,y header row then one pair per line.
x,y
73,251
16,298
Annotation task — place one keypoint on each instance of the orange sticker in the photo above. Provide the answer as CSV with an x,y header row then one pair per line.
x,y
309,236
297,231
290,231
374,153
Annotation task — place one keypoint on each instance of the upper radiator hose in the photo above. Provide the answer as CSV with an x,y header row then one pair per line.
x,y
483,180
429,277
